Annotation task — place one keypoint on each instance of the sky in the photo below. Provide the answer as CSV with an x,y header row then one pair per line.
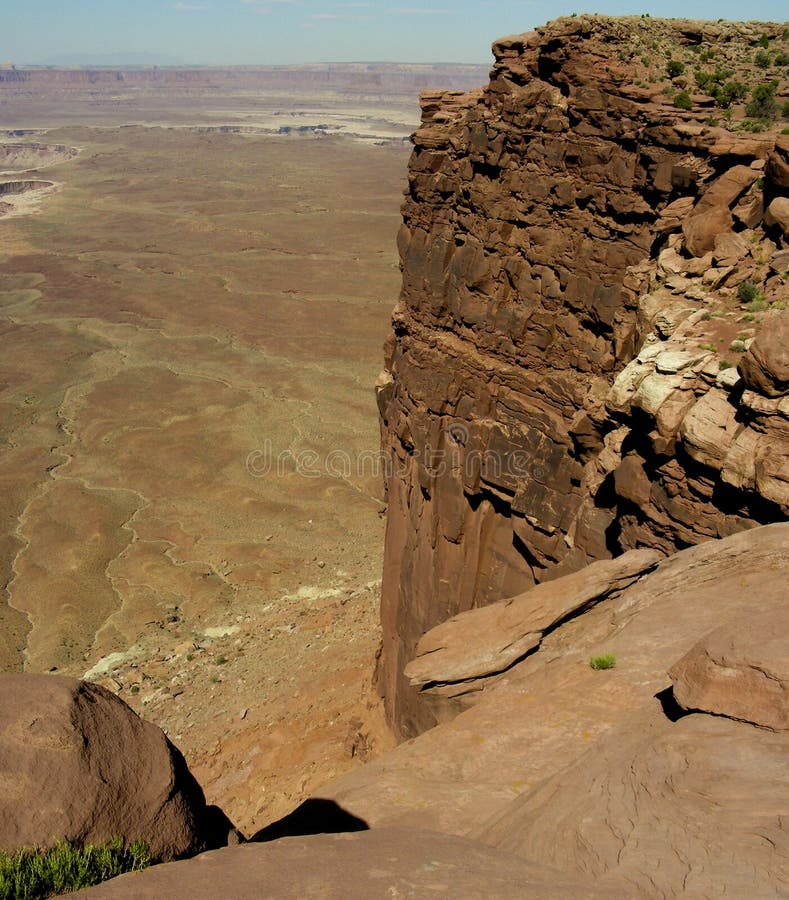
x,y
273,32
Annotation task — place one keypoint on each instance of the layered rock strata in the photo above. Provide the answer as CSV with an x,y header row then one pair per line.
x,y
562,382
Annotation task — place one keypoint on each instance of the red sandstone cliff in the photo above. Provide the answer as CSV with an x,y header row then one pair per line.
x,y
561,382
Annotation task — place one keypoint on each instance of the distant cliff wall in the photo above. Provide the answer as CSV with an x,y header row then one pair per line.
x,y
560,384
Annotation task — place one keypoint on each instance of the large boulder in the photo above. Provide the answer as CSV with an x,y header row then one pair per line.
x,y
765,367
77,764
740,671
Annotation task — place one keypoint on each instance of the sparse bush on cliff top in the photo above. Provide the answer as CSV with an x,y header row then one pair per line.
x,y
747,291
763,104
674,68
33,874
683,101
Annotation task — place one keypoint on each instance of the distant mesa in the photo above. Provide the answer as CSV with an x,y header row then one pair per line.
x,y
23,156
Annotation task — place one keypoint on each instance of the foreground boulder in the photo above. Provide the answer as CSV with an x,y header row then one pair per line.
x,y
77,764
386,863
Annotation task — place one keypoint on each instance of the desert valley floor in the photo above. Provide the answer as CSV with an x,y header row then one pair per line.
x,y
192,321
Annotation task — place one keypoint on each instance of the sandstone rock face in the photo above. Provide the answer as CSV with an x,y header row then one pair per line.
x,y
602,773
367,865
559,386
78,764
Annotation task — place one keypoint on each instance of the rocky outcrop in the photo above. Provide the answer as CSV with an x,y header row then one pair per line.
x,y
606,774
583,264
79,765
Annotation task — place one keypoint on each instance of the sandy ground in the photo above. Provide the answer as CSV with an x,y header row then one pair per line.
x,y
192,325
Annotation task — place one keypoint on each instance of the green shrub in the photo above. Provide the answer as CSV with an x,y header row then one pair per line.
x,y
763,105
724,364
606,661
785,110
762,59
683,101
726,94
781,58
674,68
764,41
747,291
758,305
30,874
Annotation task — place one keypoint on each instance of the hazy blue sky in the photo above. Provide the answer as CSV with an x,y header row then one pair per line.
x,y
281,31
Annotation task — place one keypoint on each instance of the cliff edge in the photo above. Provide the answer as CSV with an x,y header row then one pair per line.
x,y
589,352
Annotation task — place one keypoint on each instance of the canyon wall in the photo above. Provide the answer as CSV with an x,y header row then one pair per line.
x,y
562,383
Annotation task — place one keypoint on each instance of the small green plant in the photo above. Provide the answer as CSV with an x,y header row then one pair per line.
x,y
190,657
762,59
220,660
706,316
758,305
785,110
135,689
724,364
683,101
605,661
675,68
29,874
781,59
764,41
747,291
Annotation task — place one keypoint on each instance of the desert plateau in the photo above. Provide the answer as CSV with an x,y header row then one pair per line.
x,y
395,470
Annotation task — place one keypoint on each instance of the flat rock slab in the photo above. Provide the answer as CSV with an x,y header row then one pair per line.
x,y
691,807
383,863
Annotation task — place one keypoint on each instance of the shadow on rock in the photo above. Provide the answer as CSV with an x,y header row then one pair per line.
x,y
314,816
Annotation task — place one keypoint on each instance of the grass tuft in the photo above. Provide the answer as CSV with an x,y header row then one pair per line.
x,y
30,874
606,661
